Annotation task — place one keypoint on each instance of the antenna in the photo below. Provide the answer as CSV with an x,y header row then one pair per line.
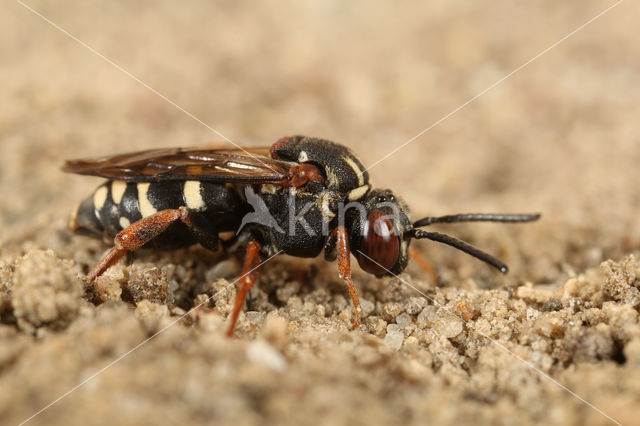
x,y
462,246
478,217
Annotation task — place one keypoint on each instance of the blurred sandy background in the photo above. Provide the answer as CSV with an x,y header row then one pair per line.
x,y
561,137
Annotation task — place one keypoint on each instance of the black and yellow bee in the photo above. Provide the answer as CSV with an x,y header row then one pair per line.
x,y
299,197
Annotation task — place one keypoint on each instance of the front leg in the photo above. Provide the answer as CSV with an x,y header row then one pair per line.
x,y
344,269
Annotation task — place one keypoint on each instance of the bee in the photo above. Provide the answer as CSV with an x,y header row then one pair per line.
x,y
300,197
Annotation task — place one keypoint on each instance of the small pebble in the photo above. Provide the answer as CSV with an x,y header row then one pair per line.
x,y
403,320
367,307
394,337
285,292
254,318
532,314
390,311
264,354
449,326
415,305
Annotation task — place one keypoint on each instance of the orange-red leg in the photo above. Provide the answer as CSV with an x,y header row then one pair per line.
x,y
136,235
344,269
249,278
424,264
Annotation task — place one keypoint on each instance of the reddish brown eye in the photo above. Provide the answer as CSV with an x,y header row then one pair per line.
x,y
380,245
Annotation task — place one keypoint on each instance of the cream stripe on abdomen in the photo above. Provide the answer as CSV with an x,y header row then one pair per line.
x,y
192,195
100,197
145,206
124,222
117,190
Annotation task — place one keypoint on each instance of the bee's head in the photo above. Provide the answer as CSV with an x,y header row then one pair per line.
x,y
380,233
377,233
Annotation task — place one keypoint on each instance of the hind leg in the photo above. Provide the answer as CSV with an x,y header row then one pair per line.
x,y
141,232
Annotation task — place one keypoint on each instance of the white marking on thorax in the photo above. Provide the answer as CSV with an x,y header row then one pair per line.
x,y
269,189
117,190
332,177
303,157
324,206
100,197
359,192
356,169
192,195
145,206
124,222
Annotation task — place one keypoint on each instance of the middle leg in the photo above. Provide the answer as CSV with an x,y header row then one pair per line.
x,y
248,279
344,270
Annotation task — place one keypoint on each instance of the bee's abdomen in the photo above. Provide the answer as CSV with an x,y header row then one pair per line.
x,y
114,205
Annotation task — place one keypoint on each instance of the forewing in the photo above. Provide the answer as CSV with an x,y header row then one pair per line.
x,y
251,165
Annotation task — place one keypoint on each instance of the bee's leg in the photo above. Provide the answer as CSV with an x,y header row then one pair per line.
x,y
136,235
424,264
249,278
344,269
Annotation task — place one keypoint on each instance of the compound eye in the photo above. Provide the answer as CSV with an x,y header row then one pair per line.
x,y
380,245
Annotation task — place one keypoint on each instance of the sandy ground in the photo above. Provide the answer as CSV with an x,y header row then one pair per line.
x,y
555,341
